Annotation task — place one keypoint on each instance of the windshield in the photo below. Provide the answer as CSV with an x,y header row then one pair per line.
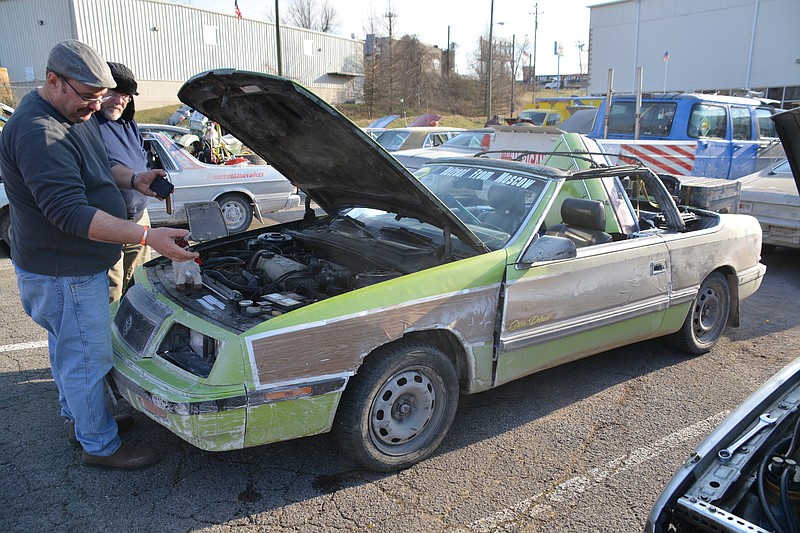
x,y
392,139
390,233
493,203
472,139
537,117
782,168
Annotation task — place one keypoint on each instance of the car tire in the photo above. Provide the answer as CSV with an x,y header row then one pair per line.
x,y
236,211
707,316
398,408
5,232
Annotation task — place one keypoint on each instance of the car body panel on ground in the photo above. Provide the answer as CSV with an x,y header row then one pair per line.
x,y
413,289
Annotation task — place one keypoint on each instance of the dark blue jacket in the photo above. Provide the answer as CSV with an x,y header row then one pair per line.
x,y
125,147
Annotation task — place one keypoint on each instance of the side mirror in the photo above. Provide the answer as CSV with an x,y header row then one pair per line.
x,y
548,248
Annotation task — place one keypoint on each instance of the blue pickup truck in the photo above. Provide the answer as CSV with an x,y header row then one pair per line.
x,y
692,134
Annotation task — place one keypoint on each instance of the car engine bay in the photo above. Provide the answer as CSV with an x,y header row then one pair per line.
x,y
259,276
753,484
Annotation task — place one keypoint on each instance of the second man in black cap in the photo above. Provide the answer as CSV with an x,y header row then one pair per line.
x,y
125,147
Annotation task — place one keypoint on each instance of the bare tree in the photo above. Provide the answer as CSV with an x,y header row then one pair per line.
x,y
502,54
327,18
313,16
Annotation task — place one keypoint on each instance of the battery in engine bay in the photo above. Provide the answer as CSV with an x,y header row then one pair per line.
x,y
286,301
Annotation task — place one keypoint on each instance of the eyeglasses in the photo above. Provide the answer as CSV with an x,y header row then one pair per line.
x,y
99,100
124,98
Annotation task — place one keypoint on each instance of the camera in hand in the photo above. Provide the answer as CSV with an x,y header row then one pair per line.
x,y
162,187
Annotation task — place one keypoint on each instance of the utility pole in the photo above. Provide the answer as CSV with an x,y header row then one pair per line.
x,y
580,45
278,39
513,70
533,69
489,67
447,57
391,16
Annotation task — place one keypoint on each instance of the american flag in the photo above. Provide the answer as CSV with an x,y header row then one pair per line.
x,y
236,9
666,56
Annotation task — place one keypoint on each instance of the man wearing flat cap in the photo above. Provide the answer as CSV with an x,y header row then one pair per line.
x,y
68,221
125,147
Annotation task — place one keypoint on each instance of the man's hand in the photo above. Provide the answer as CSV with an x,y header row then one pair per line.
x,y
162,240
145,179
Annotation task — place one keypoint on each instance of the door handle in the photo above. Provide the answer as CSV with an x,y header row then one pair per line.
x,y
658,267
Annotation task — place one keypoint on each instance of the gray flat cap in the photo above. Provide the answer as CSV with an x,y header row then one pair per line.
x,y
79,61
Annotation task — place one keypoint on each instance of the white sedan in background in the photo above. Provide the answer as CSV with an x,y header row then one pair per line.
x,y
242,191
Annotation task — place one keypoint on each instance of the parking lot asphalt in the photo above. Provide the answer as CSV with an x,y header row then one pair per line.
x,y
583,447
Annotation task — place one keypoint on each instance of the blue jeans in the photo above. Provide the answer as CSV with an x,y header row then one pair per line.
x,y
74,311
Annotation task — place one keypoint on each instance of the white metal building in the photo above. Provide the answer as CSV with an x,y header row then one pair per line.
x,y
164,44
730,46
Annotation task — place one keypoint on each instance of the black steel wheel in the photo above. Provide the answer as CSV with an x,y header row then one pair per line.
x,y
398,408
707,316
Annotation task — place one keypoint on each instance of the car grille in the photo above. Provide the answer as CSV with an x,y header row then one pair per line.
x,y
138,317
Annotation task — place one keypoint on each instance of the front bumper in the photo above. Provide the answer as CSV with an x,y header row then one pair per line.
x,y
223,418
215,408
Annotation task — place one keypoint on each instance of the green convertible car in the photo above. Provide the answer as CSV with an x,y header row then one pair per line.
x,y
372,320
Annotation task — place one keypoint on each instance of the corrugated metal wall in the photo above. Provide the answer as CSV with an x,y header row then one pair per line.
x,y
169,42
30,29
709,44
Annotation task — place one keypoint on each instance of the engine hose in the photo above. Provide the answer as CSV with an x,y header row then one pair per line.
x,y
795,433
786,505
216,261
762,495
251,265
244,289
274,285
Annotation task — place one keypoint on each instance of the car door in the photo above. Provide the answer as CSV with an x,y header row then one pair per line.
x,y
708,123
159,157
557,311
744,149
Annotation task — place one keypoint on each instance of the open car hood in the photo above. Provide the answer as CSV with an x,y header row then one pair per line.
x,y
315,147
787,124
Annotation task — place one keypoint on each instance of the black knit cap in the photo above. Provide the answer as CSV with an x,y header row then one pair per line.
x,y
126,82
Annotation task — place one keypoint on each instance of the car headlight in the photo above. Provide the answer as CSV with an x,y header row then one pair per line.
x,y
189,350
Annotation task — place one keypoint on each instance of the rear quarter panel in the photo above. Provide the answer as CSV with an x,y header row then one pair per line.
x,y
732,245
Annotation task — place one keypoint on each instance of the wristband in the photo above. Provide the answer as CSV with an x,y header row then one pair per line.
x,y
133,180
144,236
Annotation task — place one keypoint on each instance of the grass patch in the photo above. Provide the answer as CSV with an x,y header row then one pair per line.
x,y
156,115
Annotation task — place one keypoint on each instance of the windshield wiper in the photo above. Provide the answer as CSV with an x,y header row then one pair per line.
x,y
409,235
354,223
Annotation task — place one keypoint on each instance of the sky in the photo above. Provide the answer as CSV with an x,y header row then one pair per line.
x,y
566,21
